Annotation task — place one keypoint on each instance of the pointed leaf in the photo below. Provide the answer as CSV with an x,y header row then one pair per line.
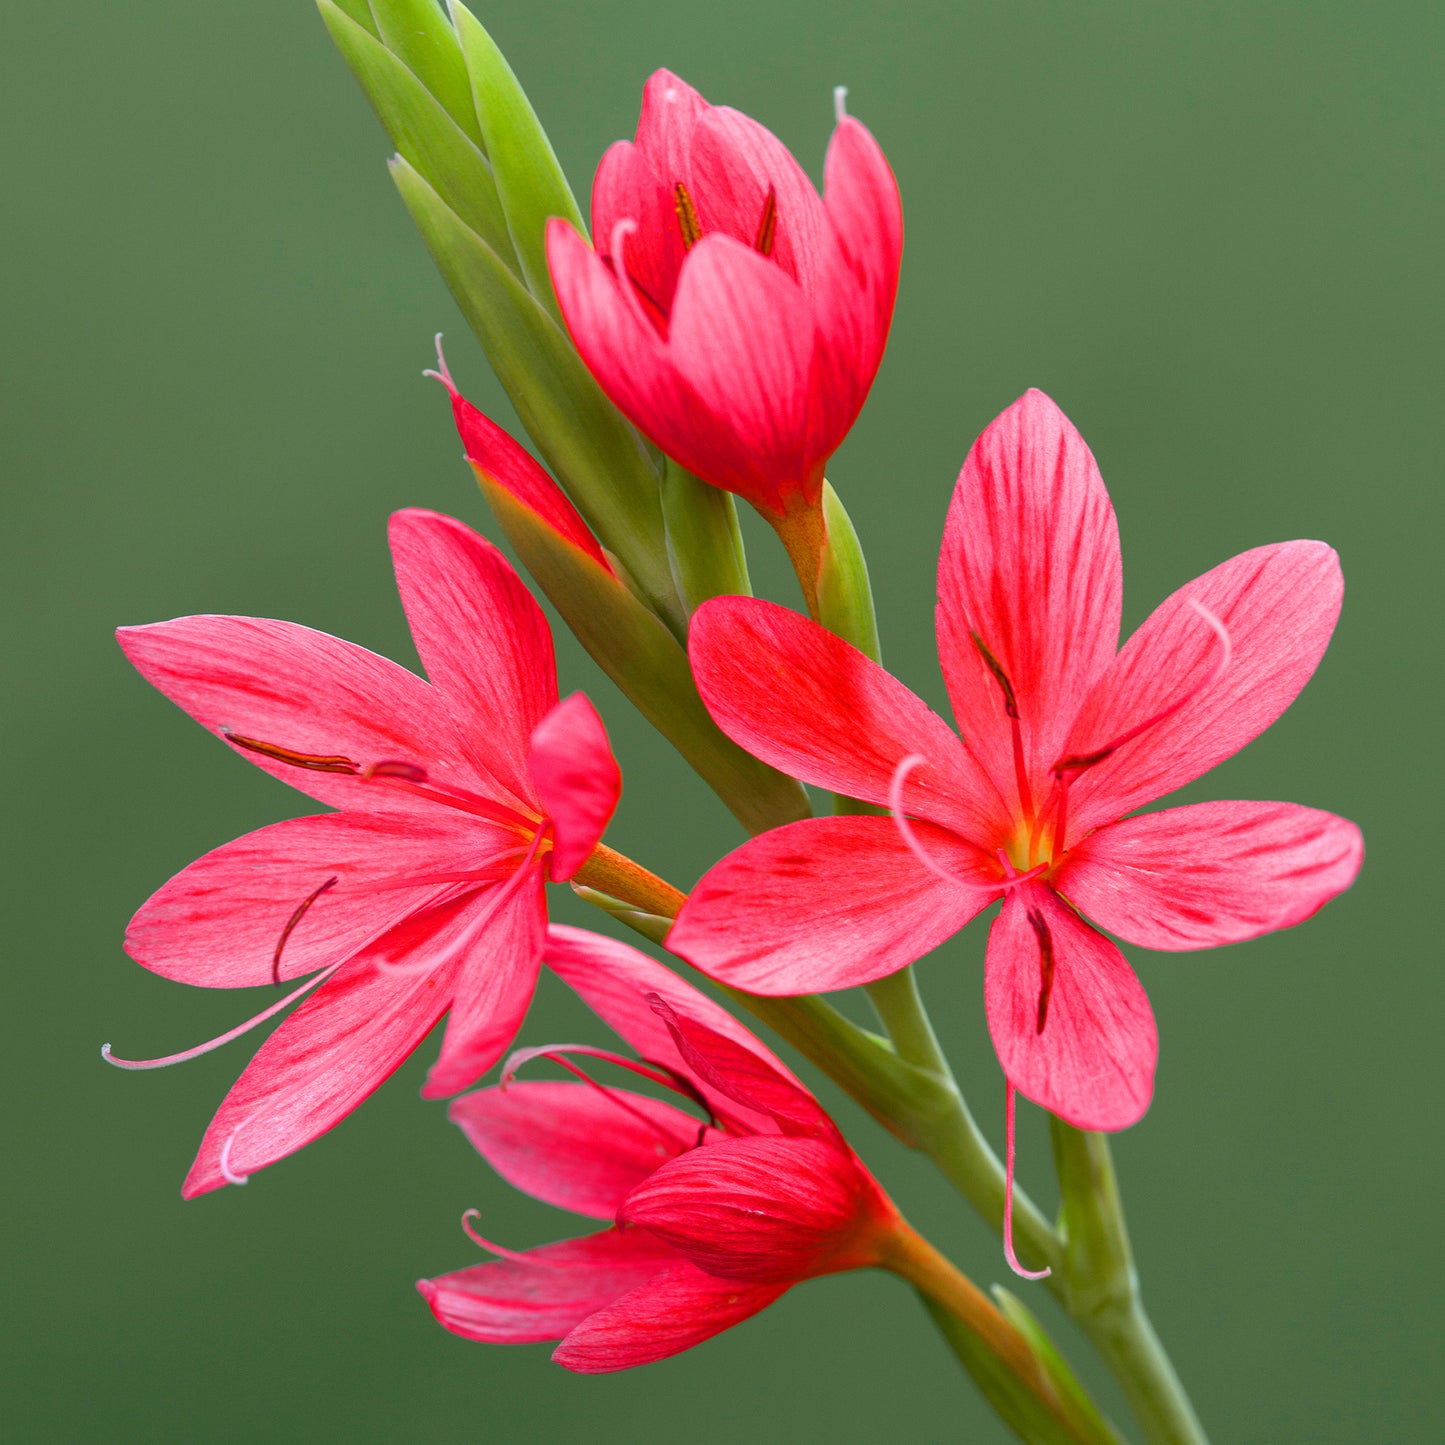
x,y
529,179
423,132
593,452
416,32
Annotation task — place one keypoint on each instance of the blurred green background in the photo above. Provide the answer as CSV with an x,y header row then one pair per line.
x,y
1210,230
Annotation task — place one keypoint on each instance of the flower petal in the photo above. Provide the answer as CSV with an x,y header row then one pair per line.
x,y
503,460
770,1210
1278,604
1092,1062
495,987
677,1309
628,188
742,336
1030,563
311,694
1211,873
826,904
614,979
220,922
577,779
735,164
333,1052
571,1145
627,357
797,696
547,1291
482,639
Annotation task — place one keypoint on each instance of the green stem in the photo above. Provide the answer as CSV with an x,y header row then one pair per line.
x,y
1100,1288
954,1140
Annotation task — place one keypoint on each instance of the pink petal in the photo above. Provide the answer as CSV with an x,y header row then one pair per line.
x,y
827,904
671,110
614,981
571,1145
308,693
501,459
577,779
547,1291
672,1312
336,1050
1093,1061
736,1072
627,188
802,699
1278,604
1030,562
219,922
482,639
625,354
766,1209
861,197
734,164
742,337
494,989
1211,873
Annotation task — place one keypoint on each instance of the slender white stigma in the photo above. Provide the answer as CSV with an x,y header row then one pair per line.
x,y
442,373
905,828
229,1174
1008,1195
840,103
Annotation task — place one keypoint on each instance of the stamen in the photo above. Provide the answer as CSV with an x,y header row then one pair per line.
x,y
291,923
226,1037
1011,707
905,828
614,1096
1079,762
443,372
316,762
1046,965
768,226
483,1243
1008,1194
1011,876
687,221
227,1173
840,103
657,1073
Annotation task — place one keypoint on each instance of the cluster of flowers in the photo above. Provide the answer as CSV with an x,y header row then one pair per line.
x,y
737,319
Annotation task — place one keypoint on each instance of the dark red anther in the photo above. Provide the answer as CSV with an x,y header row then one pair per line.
x,y
768,225
687,221
1010,703
316,762
291,926
1046,965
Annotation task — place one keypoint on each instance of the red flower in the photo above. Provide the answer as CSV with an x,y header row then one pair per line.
x,y
715,1217
1063,734
733,315
424,893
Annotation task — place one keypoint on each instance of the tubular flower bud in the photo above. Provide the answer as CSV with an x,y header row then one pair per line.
x,y
733,314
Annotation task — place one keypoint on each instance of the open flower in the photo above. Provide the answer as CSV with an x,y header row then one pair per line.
x,y
730,312
1063,734
424,893
714,1213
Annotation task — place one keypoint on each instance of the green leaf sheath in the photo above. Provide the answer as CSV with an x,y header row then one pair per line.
x,y
592,451
704,542
417,33
424,133
647,662
529,180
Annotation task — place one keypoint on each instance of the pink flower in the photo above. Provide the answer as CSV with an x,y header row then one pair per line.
x,y
733,315
714,1217
424,893
1064,734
